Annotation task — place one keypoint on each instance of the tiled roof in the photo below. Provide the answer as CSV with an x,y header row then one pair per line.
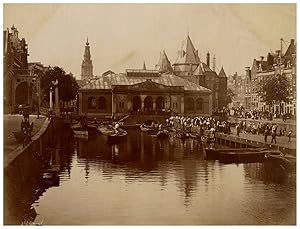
x,y
205,67
105,82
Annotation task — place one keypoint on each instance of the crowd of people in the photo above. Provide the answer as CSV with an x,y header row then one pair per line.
x,y
265,129
240,112
198,124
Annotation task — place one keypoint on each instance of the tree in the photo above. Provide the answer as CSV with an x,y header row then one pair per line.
x,y
230,95
67,84
274,90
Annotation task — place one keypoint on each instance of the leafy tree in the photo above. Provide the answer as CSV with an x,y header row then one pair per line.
x,y
67,84
230,95
274,90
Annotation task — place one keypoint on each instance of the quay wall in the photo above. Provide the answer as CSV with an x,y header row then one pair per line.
x,y
237,142
21,168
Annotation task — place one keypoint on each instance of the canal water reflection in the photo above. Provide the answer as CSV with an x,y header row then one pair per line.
x,y
144,180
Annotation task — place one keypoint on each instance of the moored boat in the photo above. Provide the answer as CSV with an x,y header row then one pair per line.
x,y
81,133
162,134
105,129
119,136
182,135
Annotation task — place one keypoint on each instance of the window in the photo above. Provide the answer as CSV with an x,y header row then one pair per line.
x,y
91,103
199,104
189,104
102,103
121,105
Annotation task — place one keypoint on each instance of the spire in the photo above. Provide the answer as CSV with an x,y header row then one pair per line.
x,y
188,54
164,64
144,66
87,65
222,73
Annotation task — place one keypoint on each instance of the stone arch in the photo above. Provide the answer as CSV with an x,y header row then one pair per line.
x,y
148,103
160,103
189,104
101,103
22,93
91,102
199,104
136,103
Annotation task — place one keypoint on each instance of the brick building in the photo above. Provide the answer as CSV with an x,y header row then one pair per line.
x,y
21,84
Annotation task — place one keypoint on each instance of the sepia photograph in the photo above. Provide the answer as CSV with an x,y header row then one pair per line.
x,y
149,114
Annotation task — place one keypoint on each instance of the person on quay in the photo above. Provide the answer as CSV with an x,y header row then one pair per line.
x,y
289,135
274,129
266,133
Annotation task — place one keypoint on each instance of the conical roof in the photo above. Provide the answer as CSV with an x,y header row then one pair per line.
x,y
164,64
222,73
187,54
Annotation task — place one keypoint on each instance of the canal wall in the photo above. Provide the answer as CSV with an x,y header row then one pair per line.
x,y
237,142
22,166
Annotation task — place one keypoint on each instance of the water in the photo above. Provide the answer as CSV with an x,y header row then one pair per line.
x,y
149,181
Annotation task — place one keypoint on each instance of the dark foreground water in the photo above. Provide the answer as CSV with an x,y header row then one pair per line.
x,y
148,181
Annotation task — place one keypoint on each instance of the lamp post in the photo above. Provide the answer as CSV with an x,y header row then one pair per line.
x,y
50,99
37,94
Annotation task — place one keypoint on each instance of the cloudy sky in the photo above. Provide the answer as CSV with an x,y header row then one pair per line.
x,y
125,35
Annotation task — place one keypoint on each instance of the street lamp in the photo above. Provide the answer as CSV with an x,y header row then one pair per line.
x,y
38,96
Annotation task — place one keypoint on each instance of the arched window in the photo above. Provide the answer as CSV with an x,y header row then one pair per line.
x,y
199,104
160,103
148,103
91,103
189,104
102,103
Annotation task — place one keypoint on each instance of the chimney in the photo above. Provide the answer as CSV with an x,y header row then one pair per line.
x,y
292,41
248,72
207,59
214,63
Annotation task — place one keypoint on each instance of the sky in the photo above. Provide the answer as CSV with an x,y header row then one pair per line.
x,y
123,36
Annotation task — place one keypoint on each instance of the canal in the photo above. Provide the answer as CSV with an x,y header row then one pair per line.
x,y
145,180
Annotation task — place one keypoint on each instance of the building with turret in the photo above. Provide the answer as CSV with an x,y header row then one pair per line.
x,y
87,65
21,84
189,87
189,66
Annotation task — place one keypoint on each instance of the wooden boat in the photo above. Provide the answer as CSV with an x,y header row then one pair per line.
x,y
81,134
92,129
192,135
119,136
277,157
182,135
76,126
105,129
241,155
162,134
145,128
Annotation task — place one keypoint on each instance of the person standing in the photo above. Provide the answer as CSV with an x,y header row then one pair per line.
x,y
238,130
289,135
274,128
266,133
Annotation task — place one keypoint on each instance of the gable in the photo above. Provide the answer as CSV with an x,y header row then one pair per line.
x,y
149,84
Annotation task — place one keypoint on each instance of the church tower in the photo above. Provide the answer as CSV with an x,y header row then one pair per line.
x,y
87,65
